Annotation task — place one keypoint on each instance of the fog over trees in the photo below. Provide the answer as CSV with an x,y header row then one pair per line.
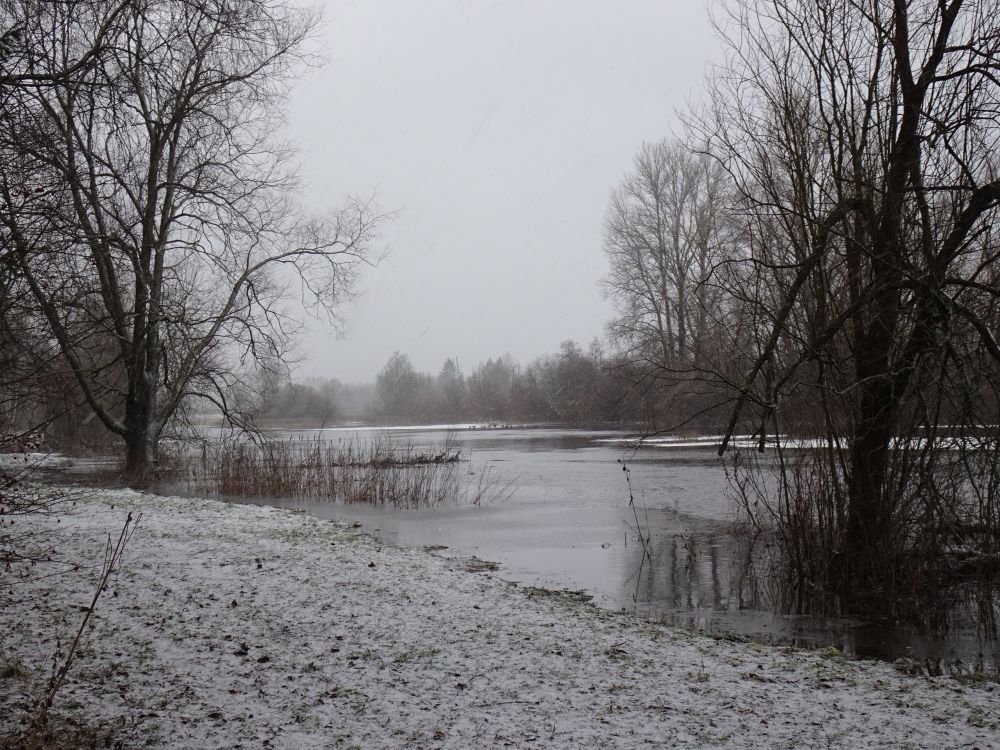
x,y
574,386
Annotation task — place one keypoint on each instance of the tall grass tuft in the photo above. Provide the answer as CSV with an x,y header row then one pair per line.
x,y
374,471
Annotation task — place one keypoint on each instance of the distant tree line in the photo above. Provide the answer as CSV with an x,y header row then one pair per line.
x,y
315,402
574,386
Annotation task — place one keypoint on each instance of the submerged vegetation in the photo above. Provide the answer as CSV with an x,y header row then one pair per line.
x,y
939,564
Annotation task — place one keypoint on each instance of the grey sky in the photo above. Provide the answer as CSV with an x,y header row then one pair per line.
x,y
496,129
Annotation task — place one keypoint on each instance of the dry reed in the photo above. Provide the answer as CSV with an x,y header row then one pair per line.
x,y
374,471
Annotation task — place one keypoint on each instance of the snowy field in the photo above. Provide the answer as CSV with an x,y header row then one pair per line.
x,y
232,626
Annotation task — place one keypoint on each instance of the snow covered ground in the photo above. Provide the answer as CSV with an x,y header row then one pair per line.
x,y
232,626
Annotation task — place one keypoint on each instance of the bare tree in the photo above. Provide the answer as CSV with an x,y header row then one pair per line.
x,y
31,384
862,136
665,234
662,236
146,203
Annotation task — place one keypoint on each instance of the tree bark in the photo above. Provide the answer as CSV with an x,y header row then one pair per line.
x,y
141,435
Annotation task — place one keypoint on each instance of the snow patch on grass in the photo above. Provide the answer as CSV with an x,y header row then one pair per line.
x,y
241,626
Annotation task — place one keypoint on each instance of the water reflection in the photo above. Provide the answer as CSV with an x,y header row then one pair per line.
x,y
696,580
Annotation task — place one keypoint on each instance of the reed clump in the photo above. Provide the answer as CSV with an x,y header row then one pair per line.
x,y
940,566
376,471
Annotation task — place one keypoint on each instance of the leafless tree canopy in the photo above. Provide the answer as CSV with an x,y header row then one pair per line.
x,y
663,235
861,137
668,232
146,205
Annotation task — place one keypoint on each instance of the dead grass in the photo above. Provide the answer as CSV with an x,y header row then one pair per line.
x,y
67,734
376,472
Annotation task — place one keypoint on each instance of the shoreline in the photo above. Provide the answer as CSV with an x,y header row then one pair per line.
x,y
249,626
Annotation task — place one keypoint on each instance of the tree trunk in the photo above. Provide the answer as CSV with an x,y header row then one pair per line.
x,y
869,528
867,550
141,431
140,455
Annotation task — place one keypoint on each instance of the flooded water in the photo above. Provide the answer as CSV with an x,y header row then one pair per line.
x,y
568,524
564,521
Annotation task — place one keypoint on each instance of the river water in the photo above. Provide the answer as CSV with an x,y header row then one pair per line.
x,y
566,522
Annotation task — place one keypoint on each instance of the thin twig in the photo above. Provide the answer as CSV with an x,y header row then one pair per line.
x,y
112,558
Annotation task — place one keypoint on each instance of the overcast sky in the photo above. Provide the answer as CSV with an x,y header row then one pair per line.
x,y
496,129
